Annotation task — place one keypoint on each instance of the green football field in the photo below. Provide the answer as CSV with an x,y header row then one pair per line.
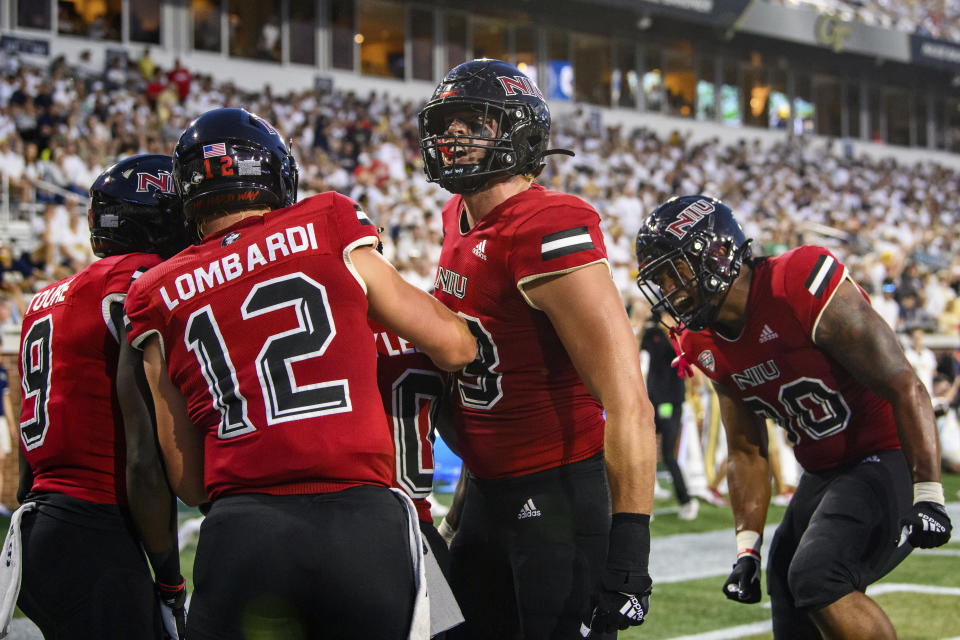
x,y
922,596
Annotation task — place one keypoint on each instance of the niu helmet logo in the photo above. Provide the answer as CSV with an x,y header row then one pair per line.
x,y
690,216
519,84
162,183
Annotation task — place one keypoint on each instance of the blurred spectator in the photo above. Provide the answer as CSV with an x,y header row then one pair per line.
x,y
146,65
921,359
913,316
182,78
886,304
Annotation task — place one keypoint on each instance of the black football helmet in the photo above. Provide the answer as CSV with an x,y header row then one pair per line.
x,y
689,252
133,209
481,92
229,159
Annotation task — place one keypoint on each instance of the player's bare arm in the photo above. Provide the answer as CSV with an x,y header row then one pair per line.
x,y
180,441
588,315
748,475
858,338
413,314
26,477
148,495
748,469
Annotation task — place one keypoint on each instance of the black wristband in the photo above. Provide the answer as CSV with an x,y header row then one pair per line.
x,y
166,566
629,551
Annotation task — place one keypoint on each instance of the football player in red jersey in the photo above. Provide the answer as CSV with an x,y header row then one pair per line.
x,y
84,573
794,339
537,553
262,367
413,392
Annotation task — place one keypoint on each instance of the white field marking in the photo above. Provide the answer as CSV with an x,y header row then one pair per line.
x,y
937,552
188,531
692,556
893,587
731,632
873,590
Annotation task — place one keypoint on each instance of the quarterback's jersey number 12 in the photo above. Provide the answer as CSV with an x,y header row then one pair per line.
x,y
283,399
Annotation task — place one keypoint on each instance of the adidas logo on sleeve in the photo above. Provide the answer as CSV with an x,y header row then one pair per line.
x,y
529,510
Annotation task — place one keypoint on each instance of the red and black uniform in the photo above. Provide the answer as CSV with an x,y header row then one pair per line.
x,y
529,431
411,388
72,437
844,435
264,330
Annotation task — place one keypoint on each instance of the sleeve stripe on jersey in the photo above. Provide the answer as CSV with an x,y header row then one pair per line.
x,y
820,276
563,243
136,274
362,217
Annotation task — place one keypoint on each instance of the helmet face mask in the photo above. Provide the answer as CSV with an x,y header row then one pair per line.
x,y
464,139
689,252
133,209
485,119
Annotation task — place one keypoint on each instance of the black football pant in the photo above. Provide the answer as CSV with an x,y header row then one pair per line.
x,y
669,429
840,534
85,574
336,566
529,552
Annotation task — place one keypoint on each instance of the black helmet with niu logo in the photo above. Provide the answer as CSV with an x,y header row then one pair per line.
x,y
505,126
133,209
689,252
229,159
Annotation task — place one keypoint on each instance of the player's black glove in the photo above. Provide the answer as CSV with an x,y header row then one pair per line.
x,y
743,585
927,525
173,612
624,597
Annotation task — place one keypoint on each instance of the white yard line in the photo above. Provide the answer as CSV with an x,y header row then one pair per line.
x,y
875,590
731,632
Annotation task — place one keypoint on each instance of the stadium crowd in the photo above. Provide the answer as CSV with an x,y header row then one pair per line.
x,y
895,226
934,18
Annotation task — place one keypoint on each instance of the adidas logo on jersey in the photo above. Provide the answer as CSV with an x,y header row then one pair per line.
x,y
767,334
529,510
480,250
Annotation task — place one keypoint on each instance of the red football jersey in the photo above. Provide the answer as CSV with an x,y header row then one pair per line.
x,y
71,430
777,370
264,330
411,387
522,405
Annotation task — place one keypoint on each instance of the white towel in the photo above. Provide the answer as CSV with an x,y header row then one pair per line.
x,y
420,624
444,611
10,569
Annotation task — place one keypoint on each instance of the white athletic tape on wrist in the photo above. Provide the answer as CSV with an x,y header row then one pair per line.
x,y
748,542
928,492
446,531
